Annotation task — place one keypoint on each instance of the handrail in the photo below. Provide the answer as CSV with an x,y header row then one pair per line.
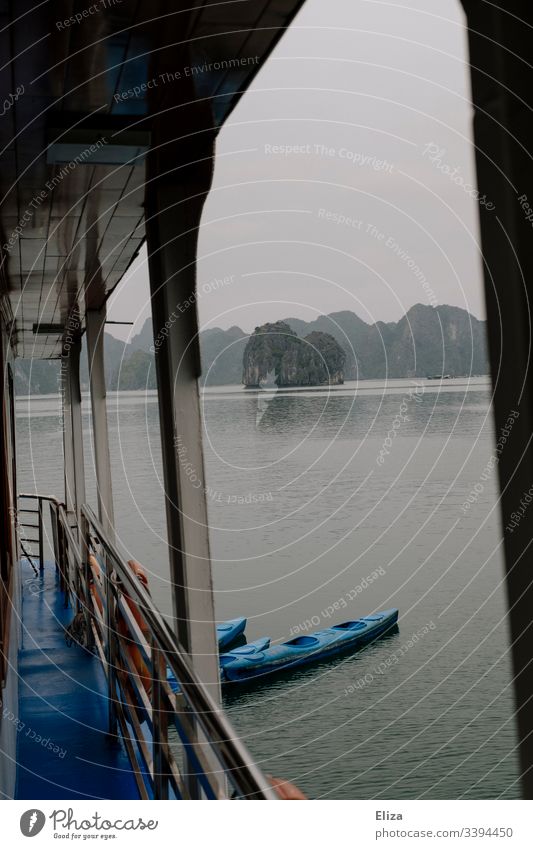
x,y
102,588
38,495
58,539
39,527
231,753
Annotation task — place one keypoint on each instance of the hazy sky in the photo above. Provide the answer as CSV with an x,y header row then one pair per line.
x,y
361,88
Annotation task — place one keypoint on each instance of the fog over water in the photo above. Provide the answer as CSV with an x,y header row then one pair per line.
x,y
349,160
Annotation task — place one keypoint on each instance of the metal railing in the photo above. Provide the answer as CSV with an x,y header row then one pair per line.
x,y
31,518
57,541
179,741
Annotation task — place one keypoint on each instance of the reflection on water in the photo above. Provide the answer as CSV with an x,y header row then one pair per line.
x,y
302,515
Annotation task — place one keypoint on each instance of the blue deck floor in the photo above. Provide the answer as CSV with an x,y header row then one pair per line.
x,y
62,750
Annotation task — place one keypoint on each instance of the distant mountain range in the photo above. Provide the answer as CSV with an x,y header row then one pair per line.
x,y
426,341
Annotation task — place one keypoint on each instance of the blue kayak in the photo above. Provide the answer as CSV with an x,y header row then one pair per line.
x,y
248,650
244,651
312,648
227,632
227,657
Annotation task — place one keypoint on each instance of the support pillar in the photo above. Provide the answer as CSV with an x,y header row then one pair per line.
x,y
73,432
179,177
500,48
95,325
8,495
8,504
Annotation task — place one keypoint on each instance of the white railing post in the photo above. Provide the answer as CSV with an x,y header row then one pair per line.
x,y
95,324
73,430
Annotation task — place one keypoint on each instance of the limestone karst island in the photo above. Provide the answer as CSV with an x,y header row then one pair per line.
x,y
276,350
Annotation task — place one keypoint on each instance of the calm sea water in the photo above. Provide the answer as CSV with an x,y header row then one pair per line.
x,y
327,505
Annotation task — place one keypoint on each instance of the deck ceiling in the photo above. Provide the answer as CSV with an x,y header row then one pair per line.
x,y
73,140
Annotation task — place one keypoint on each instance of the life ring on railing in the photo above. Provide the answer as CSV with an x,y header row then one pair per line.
x,y
122,626
96,577
123,629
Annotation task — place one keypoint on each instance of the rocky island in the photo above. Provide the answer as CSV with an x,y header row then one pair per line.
x,y
275,349
427,341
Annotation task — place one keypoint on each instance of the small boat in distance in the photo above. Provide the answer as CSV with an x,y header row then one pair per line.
x,y
311,648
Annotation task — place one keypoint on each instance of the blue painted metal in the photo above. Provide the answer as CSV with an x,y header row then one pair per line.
x,y
312,648
63,750
228,632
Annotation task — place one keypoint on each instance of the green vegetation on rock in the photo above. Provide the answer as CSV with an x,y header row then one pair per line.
x,y
276,348
426,341
135,372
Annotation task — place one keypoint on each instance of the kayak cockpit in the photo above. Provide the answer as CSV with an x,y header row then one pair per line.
x,y
303,642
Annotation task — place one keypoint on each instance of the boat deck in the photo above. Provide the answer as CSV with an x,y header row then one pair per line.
x,y
62,750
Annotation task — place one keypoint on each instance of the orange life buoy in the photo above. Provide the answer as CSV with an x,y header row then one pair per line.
x,y
96,578
122,627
